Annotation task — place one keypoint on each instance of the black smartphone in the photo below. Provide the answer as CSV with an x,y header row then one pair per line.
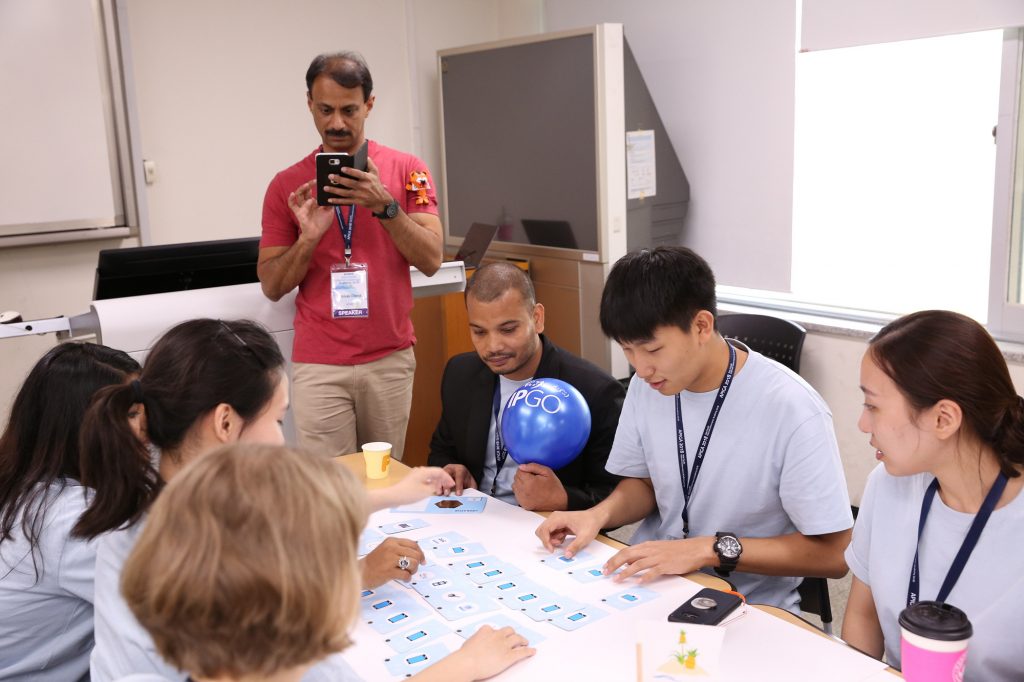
x,y
707,607
331,163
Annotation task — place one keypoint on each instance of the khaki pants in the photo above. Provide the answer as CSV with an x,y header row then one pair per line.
x,y
337,408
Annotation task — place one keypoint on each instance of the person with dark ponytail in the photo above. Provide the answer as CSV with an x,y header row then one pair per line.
x,y
206,383
46,575
948,428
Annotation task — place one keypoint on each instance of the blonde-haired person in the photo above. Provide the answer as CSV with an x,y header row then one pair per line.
x,y
259,587
948,428
205,383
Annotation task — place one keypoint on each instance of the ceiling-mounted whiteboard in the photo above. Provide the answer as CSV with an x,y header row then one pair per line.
x,y
59,157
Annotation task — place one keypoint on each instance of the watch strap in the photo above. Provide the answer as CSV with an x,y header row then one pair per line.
x,y
390,211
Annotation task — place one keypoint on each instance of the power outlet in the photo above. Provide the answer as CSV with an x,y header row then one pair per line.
x,y
149,171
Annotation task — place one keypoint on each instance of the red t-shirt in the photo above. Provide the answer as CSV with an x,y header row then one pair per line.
x,y
319,338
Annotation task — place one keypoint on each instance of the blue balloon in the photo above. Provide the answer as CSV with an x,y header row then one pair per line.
x,y
546,421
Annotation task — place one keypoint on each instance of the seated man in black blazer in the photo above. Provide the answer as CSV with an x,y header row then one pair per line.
x,y
505,322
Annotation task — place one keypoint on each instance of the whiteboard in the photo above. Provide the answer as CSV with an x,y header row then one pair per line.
x,y
58,149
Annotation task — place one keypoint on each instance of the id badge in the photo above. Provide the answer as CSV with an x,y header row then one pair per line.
x,y
349,291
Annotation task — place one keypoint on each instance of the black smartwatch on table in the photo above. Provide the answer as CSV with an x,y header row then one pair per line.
x,y
728,549
389,212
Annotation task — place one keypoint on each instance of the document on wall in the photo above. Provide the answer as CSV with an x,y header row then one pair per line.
x,y
641,179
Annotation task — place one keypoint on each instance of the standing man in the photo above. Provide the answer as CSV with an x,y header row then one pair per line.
x,y
353,360
506,325
729,457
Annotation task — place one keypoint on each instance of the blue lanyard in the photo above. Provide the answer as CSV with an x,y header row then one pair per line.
x,y
346,227
973,533
688,478
500,451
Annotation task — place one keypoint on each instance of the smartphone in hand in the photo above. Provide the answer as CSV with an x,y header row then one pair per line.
x,y
331,163
707,607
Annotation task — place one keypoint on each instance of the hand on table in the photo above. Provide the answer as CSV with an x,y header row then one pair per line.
x,y
585,525
537,488
314,220
382,564
661,557
487,653
461,478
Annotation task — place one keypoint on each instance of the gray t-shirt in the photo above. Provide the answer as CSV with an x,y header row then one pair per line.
x,y
509,468
990,589
46,622
772,466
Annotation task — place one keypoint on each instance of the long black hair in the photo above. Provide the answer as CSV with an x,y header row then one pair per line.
x,y
194,367
40,446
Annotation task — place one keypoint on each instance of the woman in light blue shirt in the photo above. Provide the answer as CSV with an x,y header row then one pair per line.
x,y
46,574
948,428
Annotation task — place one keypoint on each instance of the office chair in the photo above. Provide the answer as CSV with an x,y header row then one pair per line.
x,y
782,341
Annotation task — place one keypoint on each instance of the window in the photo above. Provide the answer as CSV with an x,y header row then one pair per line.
x,y
894,170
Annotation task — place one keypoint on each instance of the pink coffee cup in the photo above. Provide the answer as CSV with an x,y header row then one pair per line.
x,y
933,644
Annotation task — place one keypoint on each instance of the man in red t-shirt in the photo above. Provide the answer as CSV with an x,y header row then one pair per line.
x,y
353,362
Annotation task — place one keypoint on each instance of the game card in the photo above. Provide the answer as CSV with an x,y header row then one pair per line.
x,y
574,620
627,599
402,526
551,607
560,562
494,573
514,585
590,574
392,619
437,542
413,661
460,549
450,504
498,621
457,603
418,635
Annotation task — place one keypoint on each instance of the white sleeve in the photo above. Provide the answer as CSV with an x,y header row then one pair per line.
x,y
859,551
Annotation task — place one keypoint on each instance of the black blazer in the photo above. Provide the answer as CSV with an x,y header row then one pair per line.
x,y
467,394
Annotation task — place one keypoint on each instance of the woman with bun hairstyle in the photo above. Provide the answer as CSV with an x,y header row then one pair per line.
x,y
948,428
261,586
205,383
46,575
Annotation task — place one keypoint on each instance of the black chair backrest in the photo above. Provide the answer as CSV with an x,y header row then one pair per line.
x,y
779,339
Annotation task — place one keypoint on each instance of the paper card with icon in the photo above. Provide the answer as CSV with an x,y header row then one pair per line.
x,y
448,504
460,602
436,543
410,662
402,526
460,549
578,618
551,606
590,574
498,621
514,585
419,635
393,619
677,652
493,573
560,562
627,599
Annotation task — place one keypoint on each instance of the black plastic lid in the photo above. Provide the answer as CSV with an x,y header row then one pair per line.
x,y
936,620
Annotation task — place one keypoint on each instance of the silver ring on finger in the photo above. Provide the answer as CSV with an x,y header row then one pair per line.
x,y
404,563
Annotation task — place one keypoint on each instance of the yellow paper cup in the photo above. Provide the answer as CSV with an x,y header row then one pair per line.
x,y
378,459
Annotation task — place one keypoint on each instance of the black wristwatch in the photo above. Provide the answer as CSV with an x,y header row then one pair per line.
x,y
728,549
389,212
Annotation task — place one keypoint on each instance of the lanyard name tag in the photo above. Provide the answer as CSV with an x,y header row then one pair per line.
x,y
349,291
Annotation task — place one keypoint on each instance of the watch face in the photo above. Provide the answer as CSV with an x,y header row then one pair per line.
x,y
392,210
729,547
